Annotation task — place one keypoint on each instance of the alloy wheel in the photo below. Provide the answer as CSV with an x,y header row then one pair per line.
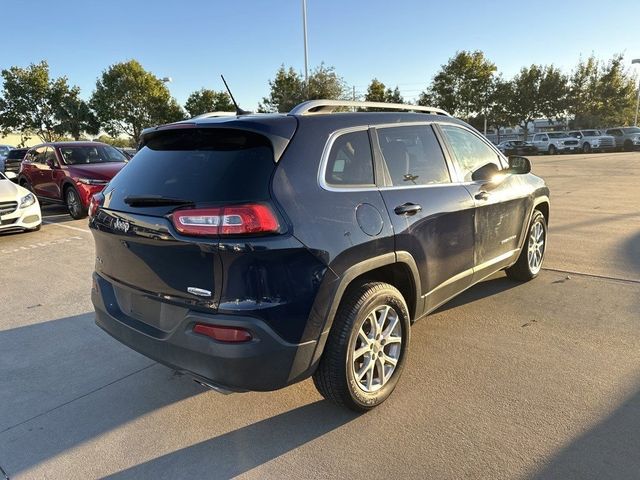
x,y
73,202
536,246
377,349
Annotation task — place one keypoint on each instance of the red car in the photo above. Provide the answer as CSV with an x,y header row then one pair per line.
x,y
70,173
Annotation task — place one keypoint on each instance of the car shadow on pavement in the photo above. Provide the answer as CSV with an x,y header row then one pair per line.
x,y
609,450
630,249
234,453
495,284
67,376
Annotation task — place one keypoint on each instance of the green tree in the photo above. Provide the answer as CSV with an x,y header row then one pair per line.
x,y
499,113
75,116
524,105
128,99
583,96
206,100
462,84
116,141
325,83
553,93
616,94
286,91
393,96
33,102
377,92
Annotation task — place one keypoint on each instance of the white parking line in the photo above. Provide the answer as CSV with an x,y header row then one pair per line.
x,y
67,226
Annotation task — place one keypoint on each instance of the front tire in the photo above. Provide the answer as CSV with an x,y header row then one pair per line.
x,y
366,349
586,148
552,150
74,204
531,257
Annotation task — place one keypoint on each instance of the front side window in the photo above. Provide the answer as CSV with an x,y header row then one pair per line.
x,y
413,156
350,162
469,151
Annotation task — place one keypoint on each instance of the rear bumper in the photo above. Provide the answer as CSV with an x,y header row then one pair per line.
x,y
265,363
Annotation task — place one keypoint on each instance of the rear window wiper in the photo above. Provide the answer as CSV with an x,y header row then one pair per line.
x,y
154,200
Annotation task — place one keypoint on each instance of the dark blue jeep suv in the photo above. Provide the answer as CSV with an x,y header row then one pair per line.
x,y
254,251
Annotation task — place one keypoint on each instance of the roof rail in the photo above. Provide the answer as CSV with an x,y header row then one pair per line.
x,y
215,114
328,106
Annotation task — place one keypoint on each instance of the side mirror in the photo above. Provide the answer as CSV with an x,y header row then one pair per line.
x,y
50,163
11,175
486,172
519,165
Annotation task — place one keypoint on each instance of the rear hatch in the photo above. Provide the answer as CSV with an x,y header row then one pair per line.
x,y
179,175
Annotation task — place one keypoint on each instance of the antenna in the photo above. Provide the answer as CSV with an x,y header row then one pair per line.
x,y
239,111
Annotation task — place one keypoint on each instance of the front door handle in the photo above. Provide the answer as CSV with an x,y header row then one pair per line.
x,y
407,209
482,195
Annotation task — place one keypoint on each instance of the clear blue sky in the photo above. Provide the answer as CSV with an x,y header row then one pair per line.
x,y
401,42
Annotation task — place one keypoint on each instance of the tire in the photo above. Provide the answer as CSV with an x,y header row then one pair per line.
x,y
74,204
552,150
524,269
586,148
361,309
628,146
35,229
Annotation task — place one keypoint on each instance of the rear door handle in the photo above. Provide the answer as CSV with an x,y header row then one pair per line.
x,y
482,195
407,209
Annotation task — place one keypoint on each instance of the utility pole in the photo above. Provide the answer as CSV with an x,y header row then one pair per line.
x,y
306,50
637,60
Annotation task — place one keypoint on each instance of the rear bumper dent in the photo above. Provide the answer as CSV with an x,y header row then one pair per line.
x,y
265,363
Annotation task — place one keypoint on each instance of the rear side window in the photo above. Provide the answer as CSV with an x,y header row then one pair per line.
x,y
469,151
16,154
203,165
413,156
350,162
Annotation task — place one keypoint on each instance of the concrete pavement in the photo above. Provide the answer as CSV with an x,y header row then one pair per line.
x,y
535,380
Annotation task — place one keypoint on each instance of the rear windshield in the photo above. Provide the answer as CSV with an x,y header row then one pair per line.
x,y
205,165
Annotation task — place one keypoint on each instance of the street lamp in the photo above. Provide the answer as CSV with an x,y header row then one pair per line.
x,y
637,60
306,51
166,79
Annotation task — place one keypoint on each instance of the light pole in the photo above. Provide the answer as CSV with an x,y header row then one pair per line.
x,y
306,51
637,60
166,79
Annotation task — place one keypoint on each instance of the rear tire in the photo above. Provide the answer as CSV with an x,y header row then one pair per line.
x,y
531,257
74,204
366,349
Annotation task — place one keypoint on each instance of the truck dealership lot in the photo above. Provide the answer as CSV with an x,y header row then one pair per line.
x,y
506,381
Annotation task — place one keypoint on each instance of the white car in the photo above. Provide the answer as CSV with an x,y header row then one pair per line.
x,y
19,208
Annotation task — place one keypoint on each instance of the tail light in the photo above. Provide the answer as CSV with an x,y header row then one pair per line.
x,y
95,202
223,334
255,218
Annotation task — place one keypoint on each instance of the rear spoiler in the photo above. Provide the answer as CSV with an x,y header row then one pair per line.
x,y
279,130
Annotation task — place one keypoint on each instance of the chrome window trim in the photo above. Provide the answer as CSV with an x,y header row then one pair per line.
x,y
325,159
456,177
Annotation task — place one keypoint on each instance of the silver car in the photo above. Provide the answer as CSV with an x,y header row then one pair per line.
x,y
627,138
555,142
594,140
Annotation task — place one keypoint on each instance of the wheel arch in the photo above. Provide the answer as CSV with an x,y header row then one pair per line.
x,y
396,268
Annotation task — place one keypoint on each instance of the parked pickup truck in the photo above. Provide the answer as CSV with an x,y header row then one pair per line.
x,y
627,138
555,142
594,140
